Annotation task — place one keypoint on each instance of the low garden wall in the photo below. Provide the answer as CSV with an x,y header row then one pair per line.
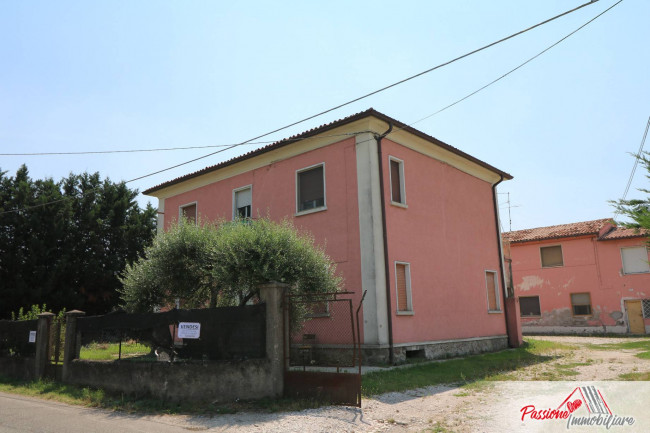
x,y
18,367
233,354
193,380
212,381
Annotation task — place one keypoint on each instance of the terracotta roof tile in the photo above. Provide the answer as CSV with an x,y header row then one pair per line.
x,y
319,130
555,232
624,233
573,230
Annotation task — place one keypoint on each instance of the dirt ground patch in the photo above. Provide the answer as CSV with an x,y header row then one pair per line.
x,y
477,407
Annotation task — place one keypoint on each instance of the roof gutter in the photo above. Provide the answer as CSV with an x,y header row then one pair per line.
x,y
500,248
389,311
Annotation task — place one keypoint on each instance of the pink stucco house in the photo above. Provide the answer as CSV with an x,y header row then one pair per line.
x,y
583,277
406,217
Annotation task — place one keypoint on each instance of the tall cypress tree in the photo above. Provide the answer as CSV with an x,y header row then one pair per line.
x,y
67,254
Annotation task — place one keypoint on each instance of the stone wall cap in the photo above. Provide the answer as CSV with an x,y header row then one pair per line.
x,y
75,313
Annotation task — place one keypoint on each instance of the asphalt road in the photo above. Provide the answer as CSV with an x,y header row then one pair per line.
x,y
24,414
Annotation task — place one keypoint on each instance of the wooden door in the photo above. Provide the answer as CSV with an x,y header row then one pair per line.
x,y
635,316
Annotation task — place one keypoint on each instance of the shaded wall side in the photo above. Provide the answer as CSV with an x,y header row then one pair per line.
x,y
218,381
18,367
448,235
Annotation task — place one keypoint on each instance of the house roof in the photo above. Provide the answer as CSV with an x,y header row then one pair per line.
x,y
624,233
583,228
319,130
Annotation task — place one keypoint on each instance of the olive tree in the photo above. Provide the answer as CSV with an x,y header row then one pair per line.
x,y
223,264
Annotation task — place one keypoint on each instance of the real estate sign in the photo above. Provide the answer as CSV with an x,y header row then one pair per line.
x,y
189,330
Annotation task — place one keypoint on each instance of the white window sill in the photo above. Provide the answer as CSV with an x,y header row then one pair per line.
x,y
398,204
405,313
307,212
495,312
636,273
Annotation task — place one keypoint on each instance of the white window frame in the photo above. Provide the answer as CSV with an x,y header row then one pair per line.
x,y
539,302
196,215
409,298
541,262
234,199
297,177
623,261
402,185
496,291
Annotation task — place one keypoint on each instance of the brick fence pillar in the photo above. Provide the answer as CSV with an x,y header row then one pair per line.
x,y
72,342
272,294
42,344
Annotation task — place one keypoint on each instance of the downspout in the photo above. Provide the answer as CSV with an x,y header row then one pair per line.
x,y
378,138
500,247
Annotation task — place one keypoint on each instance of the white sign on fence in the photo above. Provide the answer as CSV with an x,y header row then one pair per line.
x,y
32,336
189,330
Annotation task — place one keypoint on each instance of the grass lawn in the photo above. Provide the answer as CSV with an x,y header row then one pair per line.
x,y
638,345
489,366
111,351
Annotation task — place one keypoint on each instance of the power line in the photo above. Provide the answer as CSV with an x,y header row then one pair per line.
x,y
637,156
268,142
122,151
371,93
520,66
343,104
161,149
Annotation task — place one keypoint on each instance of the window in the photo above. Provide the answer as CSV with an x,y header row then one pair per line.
x,y
188,213
581,304
318,309
403,287
242,202
551,256
310,185
635,260
492,284
397,193
529,306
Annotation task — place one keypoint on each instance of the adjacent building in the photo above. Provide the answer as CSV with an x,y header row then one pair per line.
x,y
590,276
406,217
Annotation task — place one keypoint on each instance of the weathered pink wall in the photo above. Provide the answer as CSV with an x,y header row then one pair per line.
x,y
274,195
448,235
589,266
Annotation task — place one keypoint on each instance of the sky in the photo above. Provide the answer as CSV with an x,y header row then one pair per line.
x,y
97,76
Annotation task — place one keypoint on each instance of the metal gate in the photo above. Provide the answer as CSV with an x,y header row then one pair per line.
x,y
322,350
56,341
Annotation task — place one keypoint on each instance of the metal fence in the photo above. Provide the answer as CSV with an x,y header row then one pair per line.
x,y
326,335
228,333
15,338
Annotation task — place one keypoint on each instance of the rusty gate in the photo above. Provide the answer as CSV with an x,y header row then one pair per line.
x,y
322,349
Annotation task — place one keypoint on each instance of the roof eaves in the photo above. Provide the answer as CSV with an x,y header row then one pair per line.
x,y
319,130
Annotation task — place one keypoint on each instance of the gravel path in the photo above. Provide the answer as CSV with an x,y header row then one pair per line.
x,y
454,409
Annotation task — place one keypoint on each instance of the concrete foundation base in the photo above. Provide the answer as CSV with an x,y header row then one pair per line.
x,y
433,349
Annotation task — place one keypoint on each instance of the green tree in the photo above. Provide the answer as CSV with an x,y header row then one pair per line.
x,y
637,210
223,264
64,243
